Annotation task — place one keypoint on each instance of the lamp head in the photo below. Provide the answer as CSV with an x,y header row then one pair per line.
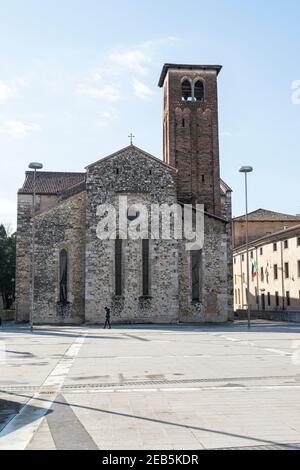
x,y
246,169
35,166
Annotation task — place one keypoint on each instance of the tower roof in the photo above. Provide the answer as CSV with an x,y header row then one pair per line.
x,y
167,67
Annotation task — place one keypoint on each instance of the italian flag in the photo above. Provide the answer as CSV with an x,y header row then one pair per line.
x,y
254,268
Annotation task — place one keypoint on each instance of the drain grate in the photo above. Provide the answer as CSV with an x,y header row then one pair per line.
x,y
139,383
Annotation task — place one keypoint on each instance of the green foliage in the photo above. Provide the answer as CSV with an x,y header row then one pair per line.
x,y
7,266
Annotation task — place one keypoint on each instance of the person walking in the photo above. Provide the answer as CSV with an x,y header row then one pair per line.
x,y
107,318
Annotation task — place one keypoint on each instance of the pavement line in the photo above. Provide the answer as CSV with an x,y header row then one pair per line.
x,y
18,432
254,345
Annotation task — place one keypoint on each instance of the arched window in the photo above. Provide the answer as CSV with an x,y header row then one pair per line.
x,y
186,91
63,276
199,91
118,266
145,267
196,265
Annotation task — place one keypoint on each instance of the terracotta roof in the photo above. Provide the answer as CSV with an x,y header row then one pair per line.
x,y
265,215
50,182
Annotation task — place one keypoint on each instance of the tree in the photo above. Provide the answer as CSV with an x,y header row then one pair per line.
x,y
7,266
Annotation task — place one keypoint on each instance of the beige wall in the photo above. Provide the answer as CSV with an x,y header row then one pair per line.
x,y
258,229
266,283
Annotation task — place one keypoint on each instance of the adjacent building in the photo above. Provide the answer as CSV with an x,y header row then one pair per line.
x,y
261,222
274,271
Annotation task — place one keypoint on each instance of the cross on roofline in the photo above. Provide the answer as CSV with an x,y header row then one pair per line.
x,y
131,137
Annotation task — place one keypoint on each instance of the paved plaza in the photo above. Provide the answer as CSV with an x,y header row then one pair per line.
x,y
150,387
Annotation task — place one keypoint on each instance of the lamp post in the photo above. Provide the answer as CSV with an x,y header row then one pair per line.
x,y
33,166
246,170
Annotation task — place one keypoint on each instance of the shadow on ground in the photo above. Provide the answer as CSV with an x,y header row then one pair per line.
x,y
9,409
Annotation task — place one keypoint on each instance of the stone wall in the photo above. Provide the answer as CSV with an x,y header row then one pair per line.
x,y
145,180
215,298
24,250
61,227
23,259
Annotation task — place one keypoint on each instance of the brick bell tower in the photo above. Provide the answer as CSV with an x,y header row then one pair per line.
x,y
191,137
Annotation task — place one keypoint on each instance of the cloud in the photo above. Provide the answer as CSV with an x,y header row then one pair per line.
x,y
107,92
6,91
106,117
141,90
124,66
9,90
226,134
18,129
133,59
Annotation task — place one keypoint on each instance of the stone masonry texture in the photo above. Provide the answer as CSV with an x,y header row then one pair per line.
x,y
67,219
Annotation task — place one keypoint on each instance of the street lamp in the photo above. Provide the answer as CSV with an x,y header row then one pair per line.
x,y
246,170
33,166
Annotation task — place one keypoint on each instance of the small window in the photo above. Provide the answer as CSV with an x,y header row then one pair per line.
x,y
243,257
261,251
63,276
286,270
277,299
234,260
203,178
183,123
132,213
199,91
186,91
275,271
251,254
286,244
117,171
288,298
269,299
262,274
274,246
298,241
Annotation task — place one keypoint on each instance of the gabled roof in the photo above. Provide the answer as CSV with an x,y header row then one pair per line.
x,y
51,182
224,186
138,150
266,215
167,67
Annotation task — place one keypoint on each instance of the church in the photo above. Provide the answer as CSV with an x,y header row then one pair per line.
x,y
73,274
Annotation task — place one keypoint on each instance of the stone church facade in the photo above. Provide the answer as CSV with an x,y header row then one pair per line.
x,y
77,274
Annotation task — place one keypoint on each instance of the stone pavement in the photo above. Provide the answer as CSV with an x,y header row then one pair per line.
x,y
151,387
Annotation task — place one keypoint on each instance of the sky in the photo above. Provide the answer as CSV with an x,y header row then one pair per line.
x,y
78,76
